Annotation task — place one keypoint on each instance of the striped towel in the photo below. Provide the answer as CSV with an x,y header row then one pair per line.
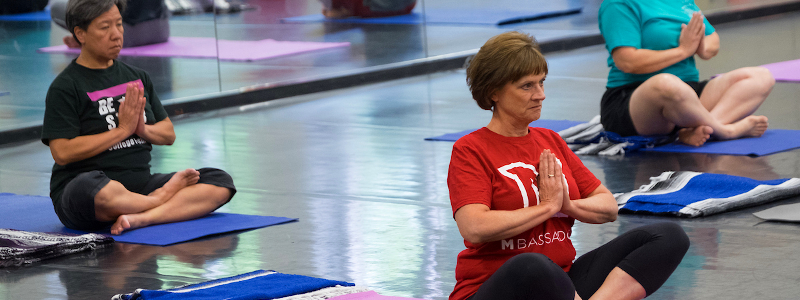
x,y
693,194
24,247
591,139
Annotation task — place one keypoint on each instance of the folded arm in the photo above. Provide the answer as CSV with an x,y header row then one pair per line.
x,y
477,223
160,133
130,113
66,151
643,61
599,207
709,47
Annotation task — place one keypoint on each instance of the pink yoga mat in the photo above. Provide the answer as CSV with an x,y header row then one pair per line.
x,y
370,295
207,48
787,71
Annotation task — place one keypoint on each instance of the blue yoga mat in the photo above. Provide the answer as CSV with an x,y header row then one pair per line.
x,y
773,141
35,213
554,125
2,93
32,16
254,285
449,16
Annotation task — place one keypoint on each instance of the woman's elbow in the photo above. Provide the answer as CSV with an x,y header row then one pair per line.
x,y
708,54
170,140
629,68
60,158
624,61
611,209
60,162
611,216
472,235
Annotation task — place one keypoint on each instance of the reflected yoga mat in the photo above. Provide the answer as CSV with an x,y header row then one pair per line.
x,y
207,48
781,213
449,17
35,213
31,16
554,125
786,71
773,141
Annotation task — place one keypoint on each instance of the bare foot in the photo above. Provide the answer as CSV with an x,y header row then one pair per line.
x,y
71,42
695,136
754,126
750,126
125,222
178,181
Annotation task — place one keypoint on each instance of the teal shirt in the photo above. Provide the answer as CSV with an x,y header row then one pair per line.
x,y
647,24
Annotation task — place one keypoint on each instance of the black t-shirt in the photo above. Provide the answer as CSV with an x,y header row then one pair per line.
x,y
83,101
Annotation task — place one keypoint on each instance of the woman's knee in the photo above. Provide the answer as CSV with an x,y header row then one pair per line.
x,y
668,87
674,236
764,77
761,76
221,180
109,191
531,266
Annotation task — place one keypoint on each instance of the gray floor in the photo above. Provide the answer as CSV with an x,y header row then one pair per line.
x,y
372,198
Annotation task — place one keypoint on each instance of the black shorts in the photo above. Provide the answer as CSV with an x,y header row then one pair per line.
x,y
76,206
615,107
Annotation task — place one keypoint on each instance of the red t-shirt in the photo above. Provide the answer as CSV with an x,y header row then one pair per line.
x,y
500,172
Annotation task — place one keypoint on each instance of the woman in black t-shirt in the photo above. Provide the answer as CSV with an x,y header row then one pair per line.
x,y
101,119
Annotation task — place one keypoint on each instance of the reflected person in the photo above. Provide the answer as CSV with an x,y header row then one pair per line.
x,y
101,119
339,9
145,22
516,192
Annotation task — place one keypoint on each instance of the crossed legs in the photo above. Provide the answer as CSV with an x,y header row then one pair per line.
x,y
723,110
631,266
180,199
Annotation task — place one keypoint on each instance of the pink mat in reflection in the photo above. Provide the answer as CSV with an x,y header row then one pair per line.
x,y
207,48
371,295
785,70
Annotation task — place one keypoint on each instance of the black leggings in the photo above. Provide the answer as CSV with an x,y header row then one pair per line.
x,y
649,254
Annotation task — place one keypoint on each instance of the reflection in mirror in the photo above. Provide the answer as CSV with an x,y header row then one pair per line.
x,y
315,47
35,47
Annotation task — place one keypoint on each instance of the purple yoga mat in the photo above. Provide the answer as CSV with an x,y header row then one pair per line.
x,y
207,48
787,71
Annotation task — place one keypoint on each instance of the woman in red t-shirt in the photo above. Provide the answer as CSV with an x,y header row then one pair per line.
x,y
517,190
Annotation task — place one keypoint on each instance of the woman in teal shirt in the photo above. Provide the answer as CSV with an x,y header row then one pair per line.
x,y
653,86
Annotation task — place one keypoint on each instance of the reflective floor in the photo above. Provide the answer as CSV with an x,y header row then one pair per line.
x,y
372,199
26,74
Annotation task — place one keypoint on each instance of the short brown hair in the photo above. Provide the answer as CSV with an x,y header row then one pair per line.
x,y
504,58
